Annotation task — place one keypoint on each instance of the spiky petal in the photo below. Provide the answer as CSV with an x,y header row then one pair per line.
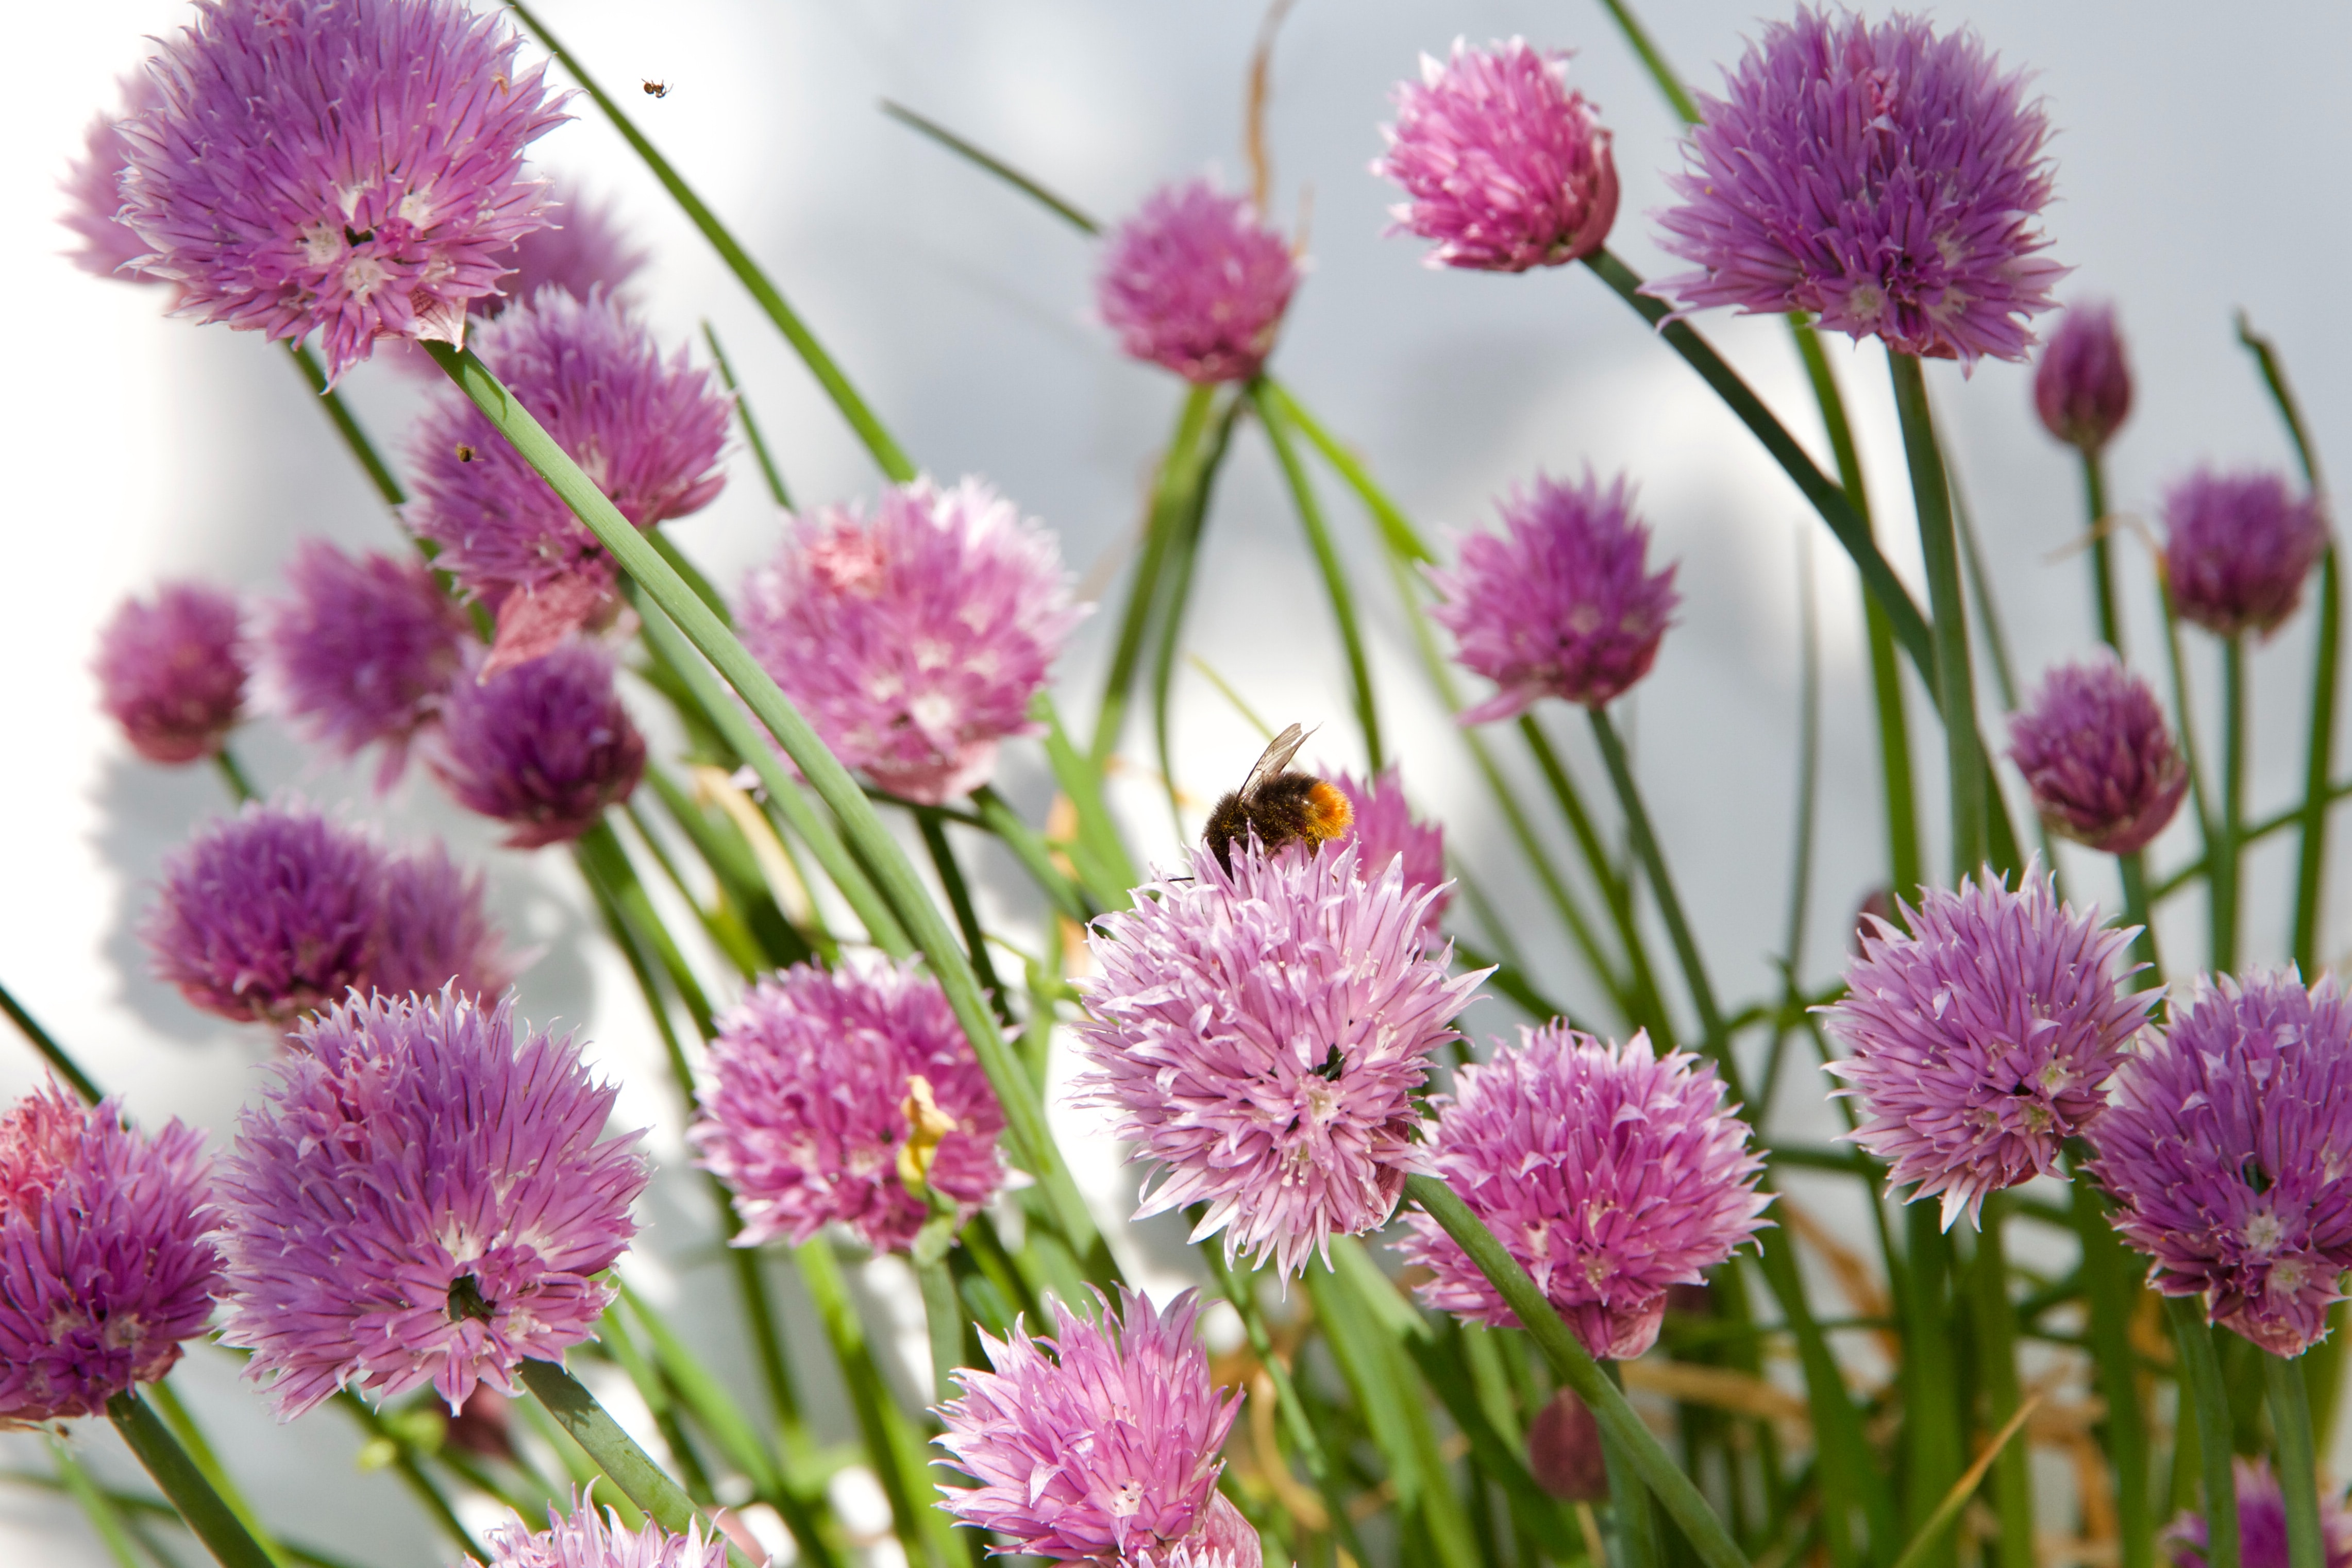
x,y
1383,827
2237,547
2083,385
94,189
2261,1525
543,746
1196,282
582,1540
171,672
2094,748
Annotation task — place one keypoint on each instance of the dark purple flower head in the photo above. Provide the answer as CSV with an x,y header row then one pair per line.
x,y
434,930
2261,1525
1564,1451
1383,827
813,1114
582,1540
2094,748
106,1256
2237,547
913,638
421,1198
1609,1173
93,188
351,169
1097,1445
543,746
1195,281
1506,165
1884,179
170,673
1562,605
2229,1152
362,649
2083,387
1261,1035
1983,1037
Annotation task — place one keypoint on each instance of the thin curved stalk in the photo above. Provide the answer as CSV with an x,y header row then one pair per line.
x,y
752,435
240,787
362,450
1929,1538
1068,210
2111,1289
1642,987
2298,1465
1954,681
951,875
641,1481
1326,560
59,1061
1184,559
205,1511
95,1504
1170,504
2102,557
2226,859
2200,1377
1997,1375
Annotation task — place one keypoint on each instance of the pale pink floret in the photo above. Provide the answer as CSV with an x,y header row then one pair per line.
x,y
1196,282
93,187
582,1540
1383,827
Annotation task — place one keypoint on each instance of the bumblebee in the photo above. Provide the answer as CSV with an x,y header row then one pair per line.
x,y
1282,806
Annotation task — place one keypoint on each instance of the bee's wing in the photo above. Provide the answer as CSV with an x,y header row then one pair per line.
x,y
1275,760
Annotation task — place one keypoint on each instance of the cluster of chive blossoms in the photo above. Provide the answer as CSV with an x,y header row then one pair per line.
x,y
1197,283
543,746
171,672
2262,1525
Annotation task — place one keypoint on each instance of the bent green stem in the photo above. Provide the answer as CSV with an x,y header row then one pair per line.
x,y
206,1512
56,1055
641,1481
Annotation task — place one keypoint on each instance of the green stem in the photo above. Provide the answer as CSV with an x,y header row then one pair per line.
x,y
643,1482
2200,1375
2223,863
1678,97
2111,1290
950,874
2311,857
2012,1481
1906,873
1629,1503
2103,568
2199,797
1069,211
2133,868
1169,501
943,1320
2298,1466
166,1400
239,786
1326,560
1955,688
62,1064
751,436
2255,834
1184,559
1642,992
94,1504
1933,1419
379,472
1396,530
206,1513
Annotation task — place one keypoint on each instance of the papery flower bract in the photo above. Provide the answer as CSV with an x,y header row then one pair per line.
x,y
2262,1525
543,746
914,638
2083,385
421,1198
807,1117
1104,1449
106,1255
93,187
434,930
351,169
1562,604
1884,179
582,1540
1506,165
2093,746
1982,1037
1261,1034
2228,1149
2237,547
1608,1171
1196,282
1383,827
170,673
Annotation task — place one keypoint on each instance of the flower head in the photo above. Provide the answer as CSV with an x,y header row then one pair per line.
x,y
583,249
1983,1038
2237,547
1886,179
913,638
106,1256
582,1540
353,168
421,1198
2229,1152
109,247
170,673
434,930
1506,165
2102,765
1261,1034
814,1114
543,746
1609,1173
1099,1444
2261,1525
1383,827
1564,1451
1196,282
2083,387
1563,604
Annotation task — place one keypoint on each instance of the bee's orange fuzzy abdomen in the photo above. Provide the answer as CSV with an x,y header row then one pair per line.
x,y
1329,814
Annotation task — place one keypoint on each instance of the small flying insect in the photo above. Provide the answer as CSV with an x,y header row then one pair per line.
x,y
1282,806
655,89
465,453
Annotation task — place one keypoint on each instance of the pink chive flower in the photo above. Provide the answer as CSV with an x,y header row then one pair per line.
x,y
581,1539
2102,765
1609,1173
435,930
1883,178
1564,1451
1383,827
2237,547
93,186
647,429
1563,604
171,672
361,650
1262,1034
1506,165
812,1114
1099,1444
584,249
107,1261
352,170
913,638
2083,387
543,746
1196,282
421,1198
2229,1153
2261,1525
1983,1038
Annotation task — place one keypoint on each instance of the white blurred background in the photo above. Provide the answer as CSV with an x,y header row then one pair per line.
x,y
2200,153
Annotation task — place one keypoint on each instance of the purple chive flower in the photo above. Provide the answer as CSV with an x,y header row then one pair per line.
x,y
913,638
583,249
647,430
1609,1173
2083,387
1982,1039
170,673
1383,827
1261,1034
2102,765
1563,605
435,931
352,170
2261,1525
1196,282
814,1114
581,1539
543,746
361,650
106,1256
1506,165
1099,1444
421,1198
2237,547
109,248
2227,1150
1564,1451
1884,179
